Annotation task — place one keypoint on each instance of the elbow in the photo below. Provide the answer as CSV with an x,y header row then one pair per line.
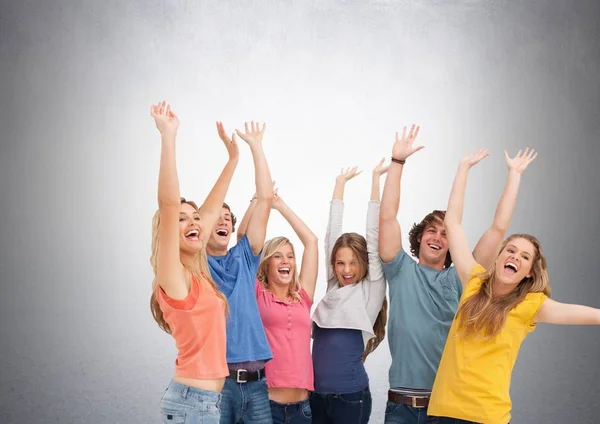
x,y
312,240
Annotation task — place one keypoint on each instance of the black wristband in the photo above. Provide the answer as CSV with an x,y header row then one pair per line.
x,y
400,161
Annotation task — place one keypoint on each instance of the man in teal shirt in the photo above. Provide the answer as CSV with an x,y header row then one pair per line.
x,y
424,296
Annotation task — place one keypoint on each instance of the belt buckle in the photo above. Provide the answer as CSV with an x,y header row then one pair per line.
x,y
413,401
237,377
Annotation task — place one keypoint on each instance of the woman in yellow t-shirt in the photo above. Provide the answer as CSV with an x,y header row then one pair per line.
x,y
498,308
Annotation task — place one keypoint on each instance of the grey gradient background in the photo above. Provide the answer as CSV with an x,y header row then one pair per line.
x,y
334,80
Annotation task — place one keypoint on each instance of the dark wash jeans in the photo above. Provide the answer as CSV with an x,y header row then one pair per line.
x,y
344,408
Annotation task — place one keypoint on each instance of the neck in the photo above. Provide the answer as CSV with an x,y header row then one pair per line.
x,y
281,292
188,259
216,252
499,289
435,265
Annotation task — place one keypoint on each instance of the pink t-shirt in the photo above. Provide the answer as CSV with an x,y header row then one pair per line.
x,y
288,328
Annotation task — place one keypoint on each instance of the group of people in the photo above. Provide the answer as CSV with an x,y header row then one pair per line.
x,y
241,316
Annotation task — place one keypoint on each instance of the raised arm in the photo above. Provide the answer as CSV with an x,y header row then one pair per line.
x,y
553,312
169,270
485,250
336,217
378,171
457,240
244,222
390,237
375,287
310,255
210,211
257,223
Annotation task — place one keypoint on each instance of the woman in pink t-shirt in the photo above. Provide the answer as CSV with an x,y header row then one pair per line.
x,y
284,300
185,301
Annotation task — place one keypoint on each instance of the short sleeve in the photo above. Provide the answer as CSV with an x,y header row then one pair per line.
x,y
534,304
249,258
475,280
390,269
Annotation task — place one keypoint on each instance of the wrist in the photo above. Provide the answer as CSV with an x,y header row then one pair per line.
x,y
398,160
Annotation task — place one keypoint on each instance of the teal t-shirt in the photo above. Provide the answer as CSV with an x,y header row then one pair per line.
x,y
423,302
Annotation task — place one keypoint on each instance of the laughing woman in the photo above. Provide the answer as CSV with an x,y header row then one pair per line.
x,y
349,323
499,307
185,301
284,298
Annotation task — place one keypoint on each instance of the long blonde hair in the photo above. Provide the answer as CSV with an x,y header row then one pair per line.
x,y
483,314
358,245
195,273
270,248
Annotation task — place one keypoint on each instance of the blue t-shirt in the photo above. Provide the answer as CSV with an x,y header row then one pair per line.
x,y
235,275
337,360
423,302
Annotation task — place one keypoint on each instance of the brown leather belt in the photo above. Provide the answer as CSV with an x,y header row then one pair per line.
x,y
414,401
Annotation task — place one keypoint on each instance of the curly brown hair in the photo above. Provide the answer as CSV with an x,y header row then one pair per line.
x,y
233,217
416,233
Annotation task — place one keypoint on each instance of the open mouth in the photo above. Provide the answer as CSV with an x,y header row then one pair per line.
x,y
510,268
193,235
347,279
435,246
222,232
285,271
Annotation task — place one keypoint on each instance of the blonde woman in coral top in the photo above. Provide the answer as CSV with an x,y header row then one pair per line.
x,y
185,301
499,307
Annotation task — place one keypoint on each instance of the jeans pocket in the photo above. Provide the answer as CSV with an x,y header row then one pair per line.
x,y
352,398
306,411
173,416
391,407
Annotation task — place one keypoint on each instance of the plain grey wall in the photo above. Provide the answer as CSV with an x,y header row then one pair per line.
x,y
334,80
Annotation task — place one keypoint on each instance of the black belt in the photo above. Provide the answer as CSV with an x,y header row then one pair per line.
x,y
244,376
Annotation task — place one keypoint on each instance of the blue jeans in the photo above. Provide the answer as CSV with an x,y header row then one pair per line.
x,y
246,403
291,413
345,408
183,404
396,413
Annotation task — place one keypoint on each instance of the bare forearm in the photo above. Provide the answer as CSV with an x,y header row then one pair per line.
x,y
304,233
168,181
390,201
216,197
507,203
338,190
262,174
245,219
454,213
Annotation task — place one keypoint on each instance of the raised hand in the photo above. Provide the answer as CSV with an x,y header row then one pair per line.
x,y
379,170
252,135
347,174
520,161
403,146
230,142
166,120
474,158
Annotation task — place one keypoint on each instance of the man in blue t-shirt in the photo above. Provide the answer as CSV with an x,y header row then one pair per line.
x,y
244,396
424,296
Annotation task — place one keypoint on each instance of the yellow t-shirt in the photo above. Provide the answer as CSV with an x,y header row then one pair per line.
x,y
473,378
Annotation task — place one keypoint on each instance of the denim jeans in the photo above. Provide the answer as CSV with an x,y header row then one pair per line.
x,y
396,413
183,404
291,413
246,403
345,408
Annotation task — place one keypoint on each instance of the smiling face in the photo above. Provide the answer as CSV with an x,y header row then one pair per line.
x,y
281,266
515,262
348,269
190,230
221,234
434,245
